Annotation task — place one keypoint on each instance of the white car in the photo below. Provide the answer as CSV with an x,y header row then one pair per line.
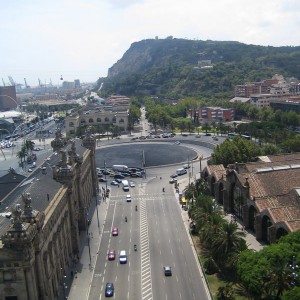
x,y
132,184
177,143
128,198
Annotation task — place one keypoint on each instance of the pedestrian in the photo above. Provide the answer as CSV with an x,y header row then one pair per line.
x,y
92,234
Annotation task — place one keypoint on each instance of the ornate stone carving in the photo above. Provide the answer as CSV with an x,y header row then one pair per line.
x,y
17,218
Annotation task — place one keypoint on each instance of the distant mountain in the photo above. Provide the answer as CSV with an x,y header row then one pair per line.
x,y
178,67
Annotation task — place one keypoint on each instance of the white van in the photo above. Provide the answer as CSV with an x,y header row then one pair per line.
x,y
181,171
123,257
125,185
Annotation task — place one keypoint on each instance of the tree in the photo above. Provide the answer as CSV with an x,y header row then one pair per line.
x,y
227,242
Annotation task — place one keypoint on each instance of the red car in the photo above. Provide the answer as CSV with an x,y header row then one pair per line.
x,y
111,255
115,231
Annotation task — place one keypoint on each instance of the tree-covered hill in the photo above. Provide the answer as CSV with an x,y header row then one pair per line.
x,y
170,67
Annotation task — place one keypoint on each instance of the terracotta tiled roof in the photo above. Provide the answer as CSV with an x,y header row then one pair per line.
x,y
217,169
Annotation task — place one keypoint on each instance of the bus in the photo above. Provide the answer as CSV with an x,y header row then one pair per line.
x,y
232,135
247,137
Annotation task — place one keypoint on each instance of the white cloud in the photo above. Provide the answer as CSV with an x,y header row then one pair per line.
x,y
83,38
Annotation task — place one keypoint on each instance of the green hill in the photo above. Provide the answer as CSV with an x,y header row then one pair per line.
x,y
178,67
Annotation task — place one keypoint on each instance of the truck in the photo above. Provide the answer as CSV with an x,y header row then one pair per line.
x,y
125,185
119,168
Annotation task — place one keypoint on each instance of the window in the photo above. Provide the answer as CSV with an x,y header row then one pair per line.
x,y
121,121
99,120
106,119
71,124
91,120
82,121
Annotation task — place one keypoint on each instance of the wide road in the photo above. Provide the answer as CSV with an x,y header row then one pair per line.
x,y
159,232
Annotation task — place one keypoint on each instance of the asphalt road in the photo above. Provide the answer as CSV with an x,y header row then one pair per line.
x,y
158,230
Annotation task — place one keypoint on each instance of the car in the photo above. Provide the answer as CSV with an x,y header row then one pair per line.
x,y
114,182
115,231
215,138
118,180
111,174
123,257
111,255
36,149
167,271
102,180
131,184
186,166
185,134
198,136
208,134
29,170
174,175
109,289
134,138
172,180
119,176
128,198
177,143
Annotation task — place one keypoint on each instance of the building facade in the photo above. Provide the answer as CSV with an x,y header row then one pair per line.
x,y
212,114
41,240
264,195
8,98
103,115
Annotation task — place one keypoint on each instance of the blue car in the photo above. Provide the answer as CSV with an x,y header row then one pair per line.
x,y
109,289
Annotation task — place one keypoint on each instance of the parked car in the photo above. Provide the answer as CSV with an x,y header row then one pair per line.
x,y
114,182
102,180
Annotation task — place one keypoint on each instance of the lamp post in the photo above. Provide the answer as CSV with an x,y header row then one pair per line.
x,y
294,269
200,160
64,284
87,233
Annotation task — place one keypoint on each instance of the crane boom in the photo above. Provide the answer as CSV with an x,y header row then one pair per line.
x,y
12,82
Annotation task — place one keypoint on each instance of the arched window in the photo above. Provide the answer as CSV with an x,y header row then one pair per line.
x,y
106,119
114,119
71,124
121,121
82,121
91,120
99,120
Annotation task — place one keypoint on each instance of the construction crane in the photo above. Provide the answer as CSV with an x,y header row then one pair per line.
x,y
26,85
40,83
3,82
12,82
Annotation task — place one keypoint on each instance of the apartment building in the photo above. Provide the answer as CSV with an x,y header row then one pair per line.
x,y
212,114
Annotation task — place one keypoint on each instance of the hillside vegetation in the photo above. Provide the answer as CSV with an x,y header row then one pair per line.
x,y
170,67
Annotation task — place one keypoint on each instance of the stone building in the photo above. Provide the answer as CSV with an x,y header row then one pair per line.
x,y
41,241
263,195
103,115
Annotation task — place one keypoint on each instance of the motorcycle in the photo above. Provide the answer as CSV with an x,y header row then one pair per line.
x,y
163,189
125,219
135,248
136,208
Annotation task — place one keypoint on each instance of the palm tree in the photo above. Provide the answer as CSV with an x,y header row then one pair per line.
x,y
227,241
29,146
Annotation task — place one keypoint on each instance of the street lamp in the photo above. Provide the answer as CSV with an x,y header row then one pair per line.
x,y
200,160
87,233
294,269
64,284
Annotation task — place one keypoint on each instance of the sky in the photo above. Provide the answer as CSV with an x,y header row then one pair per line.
x,y
82,39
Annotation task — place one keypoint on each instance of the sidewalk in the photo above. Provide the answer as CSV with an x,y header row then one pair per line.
x,y
252,243
79,275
